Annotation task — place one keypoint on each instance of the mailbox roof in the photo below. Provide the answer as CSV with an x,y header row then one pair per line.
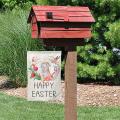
x,y
61,14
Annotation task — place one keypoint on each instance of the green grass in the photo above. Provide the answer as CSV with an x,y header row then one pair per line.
x,y
13,108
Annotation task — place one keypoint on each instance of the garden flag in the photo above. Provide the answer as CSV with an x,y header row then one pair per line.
x,y
44,75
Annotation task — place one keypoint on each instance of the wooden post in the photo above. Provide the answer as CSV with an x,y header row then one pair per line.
x,y
71,84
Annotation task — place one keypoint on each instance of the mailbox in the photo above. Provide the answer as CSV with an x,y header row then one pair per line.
x,y
60,25
68,27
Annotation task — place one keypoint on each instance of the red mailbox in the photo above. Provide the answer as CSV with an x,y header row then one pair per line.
x,y
60,25
63,26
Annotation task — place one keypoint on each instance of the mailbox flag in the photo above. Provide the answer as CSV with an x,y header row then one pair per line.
x,y
44,75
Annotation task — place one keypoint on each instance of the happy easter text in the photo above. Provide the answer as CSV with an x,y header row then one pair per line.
x,y
44,89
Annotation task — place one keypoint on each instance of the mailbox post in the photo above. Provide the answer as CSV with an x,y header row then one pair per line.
x,y
71,84
67,27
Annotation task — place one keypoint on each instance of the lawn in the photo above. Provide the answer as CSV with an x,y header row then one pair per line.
x,y
13,108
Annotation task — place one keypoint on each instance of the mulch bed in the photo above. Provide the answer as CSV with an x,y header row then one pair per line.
x,y
87,94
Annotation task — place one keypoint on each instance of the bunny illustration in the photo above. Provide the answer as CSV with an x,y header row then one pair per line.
x,y
45,72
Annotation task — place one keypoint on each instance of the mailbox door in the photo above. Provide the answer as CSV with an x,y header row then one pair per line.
x,y
65,33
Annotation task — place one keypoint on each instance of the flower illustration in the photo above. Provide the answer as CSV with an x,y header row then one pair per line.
x,y
35,68
32,75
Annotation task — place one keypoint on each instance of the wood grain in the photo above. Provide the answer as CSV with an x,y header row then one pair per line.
x,y
34,34
81,19
62,19
71,84
64,29
63,13
34,27
59,8
65,34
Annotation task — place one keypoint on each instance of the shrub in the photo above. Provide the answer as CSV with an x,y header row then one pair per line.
x,y
94,64
46,2
15,41
13,4
113,35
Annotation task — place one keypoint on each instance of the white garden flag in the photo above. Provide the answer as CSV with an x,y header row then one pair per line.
x,y
44,75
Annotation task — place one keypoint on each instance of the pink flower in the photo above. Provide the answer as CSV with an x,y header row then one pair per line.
x,y
35,68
